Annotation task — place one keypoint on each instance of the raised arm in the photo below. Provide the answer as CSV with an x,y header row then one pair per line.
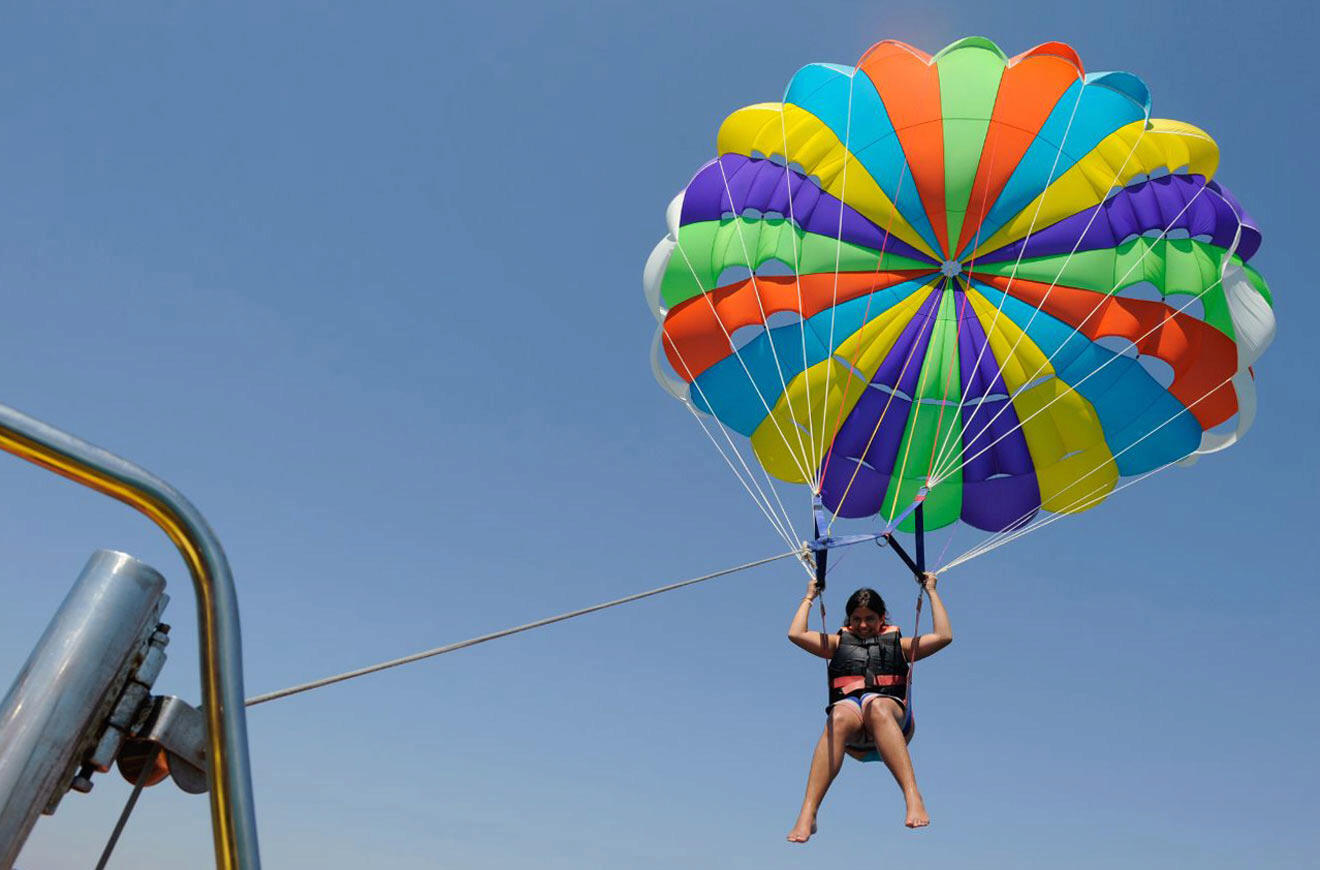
x,y
941,633
815,642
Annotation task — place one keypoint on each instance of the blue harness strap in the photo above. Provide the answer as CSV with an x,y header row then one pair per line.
x,y
819,545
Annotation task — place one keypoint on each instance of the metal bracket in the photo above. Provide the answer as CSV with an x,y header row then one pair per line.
x,y
126,712
177,730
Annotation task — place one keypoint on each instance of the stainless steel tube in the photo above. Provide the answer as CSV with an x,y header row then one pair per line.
x,y
63,694
233,816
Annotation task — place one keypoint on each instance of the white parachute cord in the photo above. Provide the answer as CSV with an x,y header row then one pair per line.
x,y
705,294
866,313
838,241
781,522
954,528
917,403
981,551
1092,497
1072,388
1013,532
1013,527
959,313
1076,329
752,266
1031,228
797,276
1001,365
1040,203
797,281
964,279
885,410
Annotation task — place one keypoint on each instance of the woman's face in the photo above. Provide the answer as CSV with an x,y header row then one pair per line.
x,y
864,622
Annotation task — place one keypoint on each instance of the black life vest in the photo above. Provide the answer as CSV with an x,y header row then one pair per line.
x,y
874,664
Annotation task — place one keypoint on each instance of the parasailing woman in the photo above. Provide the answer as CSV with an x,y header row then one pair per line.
x,y
868,716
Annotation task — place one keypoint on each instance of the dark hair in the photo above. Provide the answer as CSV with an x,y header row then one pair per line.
x,y
867,598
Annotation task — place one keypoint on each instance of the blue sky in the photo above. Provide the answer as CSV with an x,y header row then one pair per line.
x,y
364,284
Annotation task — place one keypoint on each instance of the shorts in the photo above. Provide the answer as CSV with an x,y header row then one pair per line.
x,y
863,741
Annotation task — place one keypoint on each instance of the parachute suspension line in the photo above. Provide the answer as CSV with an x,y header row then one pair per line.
x,y
1013,528
967,289
765,323
838,246
781,522
463,644
838,240
948,542
1013,273
759,498
1072,388
1076,329
797,277
1013,536
1013,531
1017,528
866,313
922,383
1031,228
1004,294
948,383
751,380
883,412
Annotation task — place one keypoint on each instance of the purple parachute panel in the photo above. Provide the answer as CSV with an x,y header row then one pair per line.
x,y
1174,202
856,476
999,480
734,183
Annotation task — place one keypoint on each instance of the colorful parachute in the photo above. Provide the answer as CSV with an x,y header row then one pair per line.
x,y
996,284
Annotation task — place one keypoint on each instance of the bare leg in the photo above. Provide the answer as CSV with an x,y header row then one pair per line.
x,y
844,722
883,717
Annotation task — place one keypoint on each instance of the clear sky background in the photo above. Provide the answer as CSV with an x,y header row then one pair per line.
x,y
363,281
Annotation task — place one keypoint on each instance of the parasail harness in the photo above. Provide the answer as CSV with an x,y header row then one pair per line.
x,y
820,547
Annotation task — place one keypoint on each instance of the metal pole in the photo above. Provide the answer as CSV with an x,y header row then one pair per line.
x,y
233,816
64,693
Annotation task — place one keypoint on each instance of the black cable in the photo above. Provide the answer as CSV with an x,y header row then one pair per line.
x,y
123,816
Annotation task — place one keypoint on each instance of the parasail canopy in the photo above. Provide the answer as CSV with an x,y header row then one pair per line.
x,y
994,283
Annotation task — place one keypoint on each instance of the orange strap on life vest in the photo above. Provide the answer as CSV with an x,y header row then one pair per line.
x,y
852,684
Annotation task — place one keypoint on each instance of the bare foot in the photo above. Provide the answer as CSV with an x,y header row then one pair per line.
x,y
916,811
802,831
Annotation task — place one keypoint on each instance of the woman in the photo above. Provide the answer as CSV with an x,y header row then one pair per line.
x,y
869,663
